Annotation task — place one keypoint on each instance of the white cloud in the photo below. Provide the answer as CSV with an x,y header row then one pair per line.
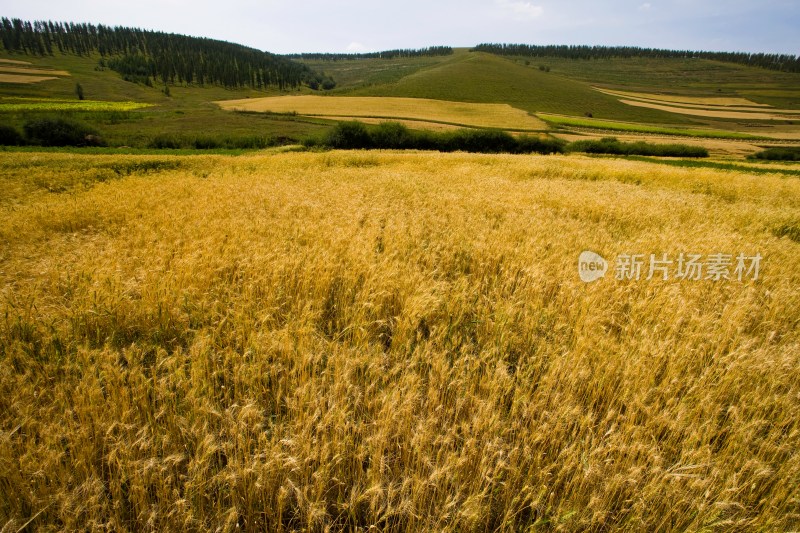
x,y
645,7
356,47
520,9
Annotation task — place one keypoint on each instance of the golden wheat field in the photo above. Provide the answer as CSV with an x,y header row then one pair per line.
x,y
393,341
424,110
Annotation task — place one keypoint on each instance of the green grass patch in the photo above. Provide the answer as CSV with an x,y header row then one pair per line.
x,y
577,122
216,142
58,105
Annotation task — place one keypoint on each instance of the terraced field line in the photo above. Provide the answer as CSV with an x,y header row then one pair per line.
x,y
612,125
674,99
759,109
711,113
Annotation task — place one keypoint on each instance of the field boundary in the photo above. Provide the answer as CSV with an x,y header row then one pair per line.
x,y
611,125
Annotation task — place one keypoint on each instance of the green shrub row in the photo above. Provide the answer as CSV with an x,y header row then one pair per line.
x,y
778,153
356,135
50,132
610,145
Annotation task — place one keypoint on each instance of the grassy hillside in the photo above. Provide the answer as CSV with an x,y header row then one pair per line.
x,y
187,111
690,77
357,73
480,77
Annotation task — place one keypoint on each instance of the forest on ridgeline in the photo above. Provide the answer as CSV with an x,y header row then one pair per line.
x,y
431,51
782,62
144,56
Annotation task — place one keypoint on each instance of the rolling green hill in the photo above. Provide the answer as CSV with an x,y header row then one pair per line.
x,y
483,78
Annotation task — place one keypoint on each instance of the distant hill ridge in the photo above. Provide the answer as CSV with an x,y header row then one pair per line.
x,y
152,56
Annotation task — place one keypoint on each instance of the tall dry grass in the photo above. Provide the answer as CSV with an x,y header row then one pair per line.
x,y
345,340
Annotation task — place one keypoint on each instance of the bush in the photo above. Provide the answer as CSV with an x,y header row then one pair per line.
x,y
9,136
60,132
392,135
482,141
349,136
541,145
782,153
610,145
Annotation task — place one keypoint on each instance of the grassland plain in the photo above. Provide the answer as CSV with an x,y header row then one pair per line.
x,y
339,340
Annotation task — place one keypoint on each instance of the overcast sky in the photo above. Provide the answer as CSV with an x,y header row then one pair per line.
x,y
284,26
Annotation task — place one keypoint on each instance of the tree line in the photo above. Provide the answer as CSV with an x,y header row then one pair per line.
x,y
142,55
782,62
430,51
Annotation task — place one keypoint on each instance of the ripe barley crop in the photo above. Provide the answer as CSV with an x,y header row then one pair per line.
x,y
333,341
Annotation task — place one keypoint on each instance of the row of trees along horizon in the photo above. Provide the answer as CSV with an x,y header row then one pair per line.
x,y
781,62
430,51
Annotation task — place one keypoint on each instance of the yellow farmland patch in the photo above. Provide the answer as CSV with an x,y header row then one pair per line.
x,y
15,62
674,99
501,116
19,78
33,71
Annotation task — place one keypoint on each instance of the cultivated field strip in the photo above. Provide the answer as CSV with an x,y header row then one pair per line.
x,y
501,116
